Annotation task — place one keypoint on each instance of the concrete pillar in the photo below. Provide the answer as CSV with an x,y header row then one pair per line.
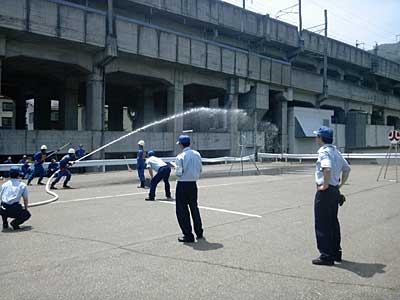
x,y
233,103
115,116
175,104
94,101
1,71
20,106
42,110
282,122
69,105
148,107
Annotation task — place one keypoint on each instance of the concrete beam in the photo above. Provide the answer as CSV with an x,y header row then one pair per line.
x,y
142,68
48,51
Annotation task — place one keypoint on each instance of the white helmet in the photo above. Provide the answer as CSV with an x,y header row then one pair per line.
x,y
71,151
44,147
141,143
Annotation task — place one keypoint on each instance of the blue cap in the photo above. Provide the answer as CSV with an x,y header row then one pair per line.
x,y
324,132
183,139
151,153
14,170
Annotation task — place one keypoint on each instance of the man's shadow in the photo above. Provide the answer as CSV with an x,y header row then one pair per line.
x,y
364,270
204,245
22,229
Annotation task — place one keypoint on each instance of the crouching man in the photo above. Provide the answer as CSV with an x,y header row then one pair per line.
x,y
163,172
10,195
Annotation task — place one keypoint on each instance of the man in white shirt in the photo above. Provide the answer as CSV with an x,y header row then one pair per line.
x,y
10,195
329,167
188,170
163,172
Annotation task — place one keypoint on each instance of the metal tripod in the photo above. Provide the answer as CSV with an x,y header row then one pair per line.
x,y
241,159
393,147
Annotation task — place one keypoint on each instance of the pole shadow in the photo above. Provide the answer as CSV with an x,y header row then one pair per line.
x,y
364,270
204,245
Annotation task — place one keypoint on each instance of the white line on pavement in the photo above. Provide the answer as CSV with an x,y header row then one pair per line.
x,y
220,210
144,193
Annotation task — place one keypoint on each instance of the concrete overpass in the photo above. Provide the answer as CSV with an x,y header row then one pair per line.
x,y
145,59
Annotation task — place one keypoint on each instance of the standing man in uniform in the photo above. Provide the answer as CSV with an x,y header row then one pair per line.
x,y
39,158
66,162
188,169
141,164
163,172
10,195
330,166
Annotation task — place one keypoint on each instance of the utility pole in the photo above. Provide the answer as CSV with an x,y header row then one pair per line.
x,y
300,19
244,4
325,81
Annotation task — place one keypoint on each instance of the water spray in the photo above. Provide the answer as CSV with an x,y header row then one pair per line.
x,y
155,123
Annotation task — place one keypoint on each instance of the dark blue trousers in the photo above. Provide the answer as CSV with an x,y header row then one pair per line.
x,y
186,198
16,212
327,227
162,174
140,171
37,170
66,173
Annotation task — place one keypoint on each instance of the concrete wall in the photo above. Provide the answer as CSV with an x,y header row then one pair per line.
x,y
316,118
28,142
377,135
338,50
228,16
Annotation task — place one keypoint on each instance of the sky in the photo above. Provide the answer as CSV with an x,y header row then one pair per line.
x,y
350,21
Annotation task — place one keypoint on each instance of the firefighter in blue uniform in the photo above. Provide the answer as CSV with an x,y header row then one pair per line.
x,y
39,158
66,162
141,164
10,196
25,168
52,168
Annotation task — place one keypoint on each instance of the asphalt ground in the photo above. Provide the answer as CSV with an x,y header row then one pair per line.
x,y
101,240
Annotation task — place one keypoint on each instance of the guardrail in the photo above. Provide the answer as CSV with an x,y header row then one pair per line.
x,y
226,159
133,161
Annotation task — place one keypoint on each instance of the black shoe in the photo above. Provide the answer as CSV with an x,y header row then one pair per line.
x,y
5,226
169,198
322,262
40,183
150,199
66,186
200,237
29,183
338,256
14,226
53,188
184,239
